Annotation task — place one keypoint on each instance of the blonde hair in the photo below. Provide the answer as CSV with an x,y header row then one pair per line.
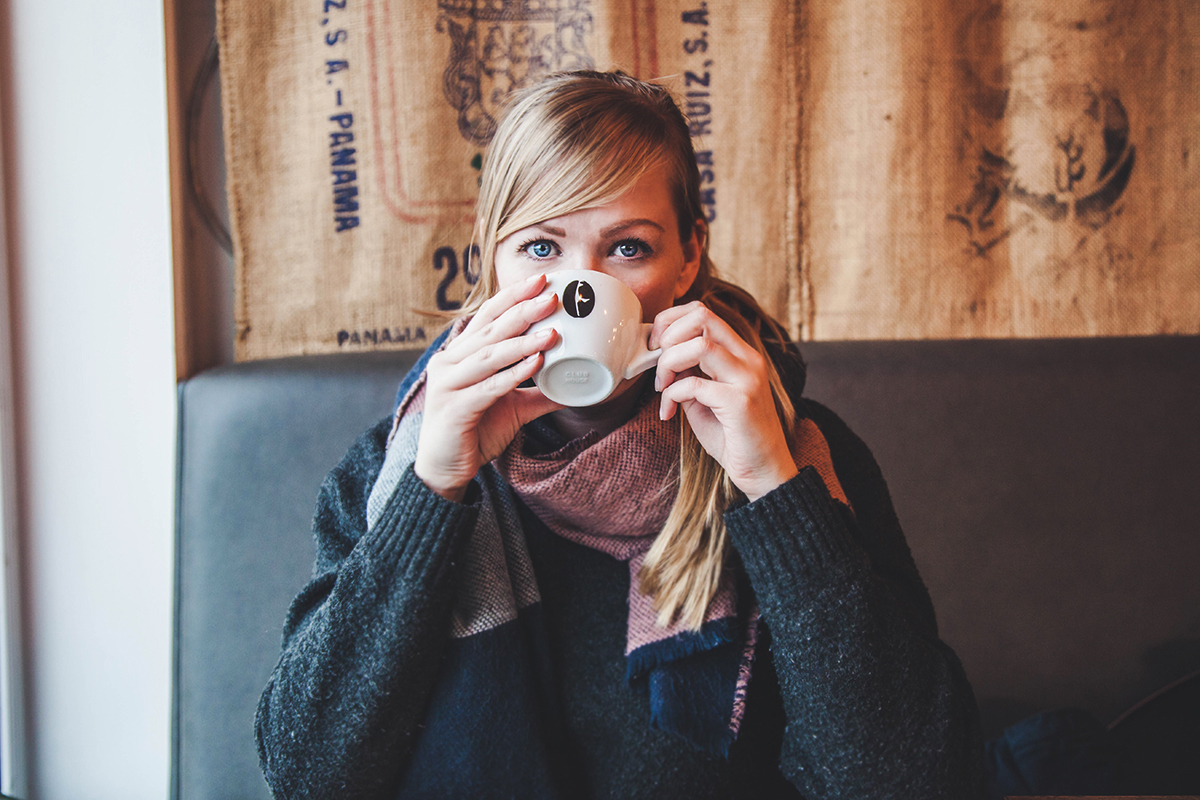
x,y
578,140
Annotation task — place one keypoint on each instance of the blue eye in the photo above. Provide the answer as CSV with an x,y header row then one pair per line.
x,y
631,248
539,248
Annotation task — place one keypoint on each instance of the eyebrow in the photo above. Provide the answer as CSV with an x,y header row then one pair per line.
x,y
631,223
606,232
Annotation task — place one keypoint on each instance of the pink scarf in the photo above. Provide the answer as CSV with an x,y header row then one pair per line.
x,y
612,495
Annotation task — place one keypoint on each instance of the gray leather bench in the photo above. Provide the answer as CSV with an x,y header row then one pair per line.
x,y
1049,491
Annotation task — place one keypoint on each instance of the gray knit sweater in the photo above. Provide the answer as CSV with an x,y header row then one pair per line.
x,y
853,695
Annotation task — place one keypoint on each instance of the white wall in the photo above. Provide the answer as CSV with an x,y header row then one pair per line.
x,y
95,390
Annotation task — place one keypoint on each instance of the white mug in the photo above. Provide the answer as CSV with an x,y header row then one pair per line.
x,y
601,338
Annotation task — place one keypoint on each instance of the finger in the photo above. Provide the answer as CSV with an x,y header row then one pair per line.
x,y
668,316
508,297
669,408
481,396
701,321
492,358
502,301
704,354
515,320
710,394
531,404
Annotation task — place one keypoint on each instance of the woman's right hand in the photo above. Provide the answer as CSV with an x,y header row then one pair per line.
x,y
473,405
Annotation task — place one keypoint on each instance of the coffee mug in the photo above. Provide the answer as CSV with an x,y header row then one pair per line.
x,y
601,338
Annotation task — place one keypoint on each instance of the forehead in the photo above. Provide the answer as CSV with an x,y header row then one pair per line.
x,y
649,197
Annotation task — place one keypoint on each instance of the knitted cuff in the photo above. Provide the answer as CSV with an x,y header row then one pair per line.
x,y
418,529
796,532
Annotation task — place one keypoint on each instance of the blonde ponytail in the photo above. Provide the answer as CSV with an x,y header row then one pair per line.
x,y
682,569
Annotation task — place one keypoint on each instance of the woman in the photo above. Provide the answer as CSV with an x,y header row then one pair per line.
x,y
697,588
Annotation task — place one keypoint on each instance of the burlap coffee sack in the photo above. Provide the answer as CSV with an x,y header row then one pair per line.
x,y
355,131
996,169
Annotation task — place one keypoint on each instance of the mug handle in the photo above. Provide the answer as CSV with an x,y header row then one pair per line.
x,y
643,357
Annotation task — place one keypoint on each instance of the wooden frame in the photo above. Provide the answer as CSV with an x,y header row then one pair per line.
x,y
13,758
203,267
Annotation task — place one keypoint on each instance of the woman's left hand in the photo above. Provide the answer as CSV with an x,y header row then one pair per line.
x,y
721,384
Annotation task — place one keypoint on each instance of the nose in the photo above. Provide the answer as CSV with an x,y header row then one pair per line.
x,y
584,261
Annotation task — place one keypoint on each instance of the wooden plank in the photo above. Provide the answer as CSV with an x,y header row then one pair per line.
x,y
203,267
177,152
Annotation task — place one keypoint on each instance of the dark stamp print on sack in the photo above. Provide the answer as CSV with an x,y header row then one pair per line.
x,y
497,46
1092,161
1060,149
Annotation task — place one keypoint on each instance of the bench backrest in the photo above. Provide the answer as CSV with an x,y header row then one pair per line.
x,y
1048,490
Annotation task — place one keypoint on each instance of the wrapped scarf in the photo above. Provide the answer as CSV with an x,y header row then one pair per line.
x,y
610,494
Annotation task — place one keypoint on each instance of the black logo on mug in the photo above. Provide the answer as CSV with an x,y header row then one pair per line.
x,y
579,298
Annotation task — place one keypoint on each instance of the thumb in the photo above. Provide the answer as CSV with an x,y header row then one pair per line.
x,y
530,404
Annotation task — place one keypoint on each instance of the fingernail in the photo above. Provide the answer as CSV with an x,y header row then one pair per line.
x,y
544,335
536,278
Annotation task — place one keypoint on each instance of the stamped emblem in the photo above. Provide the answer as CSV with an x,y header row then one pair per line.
x,y
497,46
1061,150
1079,173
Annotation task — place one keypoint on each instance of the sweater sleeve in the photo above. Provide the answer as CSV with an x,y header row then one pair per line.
x,y
363,640
876,704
